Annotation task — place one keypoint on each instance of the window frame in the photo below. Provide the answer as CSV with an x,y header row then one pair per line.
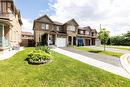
x,y
45,26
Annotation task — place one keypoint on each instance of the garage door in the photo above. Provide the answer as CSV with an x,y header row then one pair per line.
x,y
61,42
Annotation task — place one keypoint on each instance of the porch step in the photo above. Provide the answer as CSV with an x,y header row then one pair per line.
x,y
52,46
4,49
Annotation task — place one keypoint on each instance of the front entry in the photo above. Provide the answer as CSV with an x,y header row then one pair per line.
x,y
44,39
80,42
69,40
87,42
51,39
93,41
74,40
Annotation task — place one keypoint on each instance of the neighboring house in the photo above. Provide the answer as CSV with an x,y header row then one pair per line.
x,y
86,36
48,32
27,39
10,25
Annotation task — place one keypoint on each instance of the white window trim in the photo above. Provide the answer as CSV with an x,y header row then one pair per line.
x,y
44,26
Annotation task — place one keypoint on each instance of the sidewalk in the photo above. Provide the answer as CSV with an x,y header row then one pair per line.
x,y
125,61
105,66
109,49
9,54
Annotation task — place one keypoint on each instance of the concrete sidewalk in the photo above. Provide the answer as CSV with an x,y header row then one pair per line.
x,y
105,66
109,49
125,62
8,54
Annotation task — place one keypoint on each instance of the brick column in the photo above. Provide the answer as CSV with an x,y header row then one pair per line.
x,y
72,40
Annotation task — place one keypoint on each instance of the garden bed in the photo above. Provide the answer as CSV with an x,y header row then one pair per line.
x,y
39,62
39,55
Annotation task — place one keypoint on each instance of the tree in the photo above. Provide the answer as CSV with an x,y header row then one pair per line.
x,y
104,36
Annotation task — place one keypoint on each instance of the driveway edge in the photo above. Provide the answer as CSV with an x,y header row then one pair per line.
x,y
125,63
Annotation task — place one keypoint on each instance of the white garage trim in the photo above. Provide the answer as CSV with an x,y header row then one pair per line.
x,y
61,42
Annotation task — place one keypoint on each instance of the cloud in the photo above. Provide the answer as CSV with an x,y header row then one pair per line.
x,y
27,25
112,14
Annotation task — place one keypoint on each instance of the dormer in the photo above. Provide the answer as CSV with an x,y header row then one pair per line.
x,y
43,23
71,26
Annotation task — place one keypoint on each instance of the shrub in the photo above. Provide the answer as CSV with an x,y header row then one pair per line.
x,y
44,48
38,55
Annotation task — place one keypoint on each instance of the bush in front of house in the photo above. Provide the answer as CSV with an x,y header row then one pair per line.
x,y
43,48
38,57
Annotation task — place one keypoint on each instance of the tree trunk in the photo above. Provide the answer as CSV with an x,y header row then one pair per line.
x,y
104,47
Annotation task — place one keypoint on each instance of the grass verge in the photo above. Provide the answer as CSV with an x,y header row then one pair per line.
x,y
61,72
115,54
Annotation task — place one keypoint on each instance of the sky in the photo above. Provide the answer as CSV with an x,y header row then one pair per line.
x,y
114,15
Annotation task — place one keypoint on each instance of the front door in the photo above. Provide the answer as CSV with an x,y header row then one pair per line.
x,y
87,42
44,40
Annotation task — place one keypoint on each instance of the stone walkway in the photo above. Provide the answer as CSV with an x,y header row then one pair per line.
x,y
91,61
109,49
104,58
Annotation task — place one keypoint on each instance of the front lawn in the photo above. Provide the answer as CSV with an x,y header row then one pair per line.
x,y
110,53
61,72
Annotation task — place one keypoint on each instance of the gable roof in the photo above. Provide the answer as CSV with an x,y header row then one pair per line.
x,y
57,23
44,17
88,28
72,20
94,30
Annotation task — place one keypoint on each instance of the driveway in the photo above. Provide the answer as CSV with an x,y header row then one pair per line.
x,y
109,49
104,58
88,60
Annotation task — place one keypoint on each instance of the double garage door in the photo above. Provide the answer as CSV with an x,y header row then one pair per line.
x,y
61,42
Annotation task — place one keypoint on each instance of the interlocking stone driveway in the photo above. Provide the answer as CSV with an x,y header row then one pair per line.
x,y
104,58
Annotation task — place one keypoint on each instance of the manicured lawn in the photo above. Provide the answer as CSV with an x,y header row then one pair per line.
x,y
61,72
100,51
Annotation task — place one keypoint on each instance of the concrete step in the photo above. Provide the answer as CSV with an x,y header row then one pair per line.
x,y
52,46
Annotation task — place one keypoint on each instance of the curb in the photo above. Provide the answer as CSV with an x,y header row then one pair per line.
x,y
125,63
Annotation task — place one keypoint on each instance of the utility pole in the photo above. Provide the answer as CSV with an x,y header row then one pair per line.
x,y
100,26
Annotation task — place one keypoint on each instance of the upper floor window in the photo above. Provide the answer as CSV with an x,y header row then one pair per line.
x,y
81,32
58,28
87,32
92,33
45,26
71,28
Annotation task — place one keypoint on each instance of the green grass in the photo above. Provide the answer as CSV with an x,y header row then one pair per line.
x,y
61,72
110,53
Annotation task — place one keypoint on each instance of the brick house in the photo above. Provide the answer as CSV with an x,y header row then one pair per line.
x,y
10,25
48,32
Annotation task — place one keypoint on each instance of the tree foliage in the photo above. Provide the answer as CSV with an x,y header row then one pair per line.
x,y
104,36
121,39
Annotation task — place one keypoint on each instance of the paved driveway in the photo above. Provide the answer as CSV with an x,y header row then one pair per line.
x,y
109,49
104,58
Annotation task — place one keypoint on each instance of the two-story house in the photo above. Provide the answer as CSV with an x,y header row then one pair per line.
x,y
86,36
10,25
48,32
